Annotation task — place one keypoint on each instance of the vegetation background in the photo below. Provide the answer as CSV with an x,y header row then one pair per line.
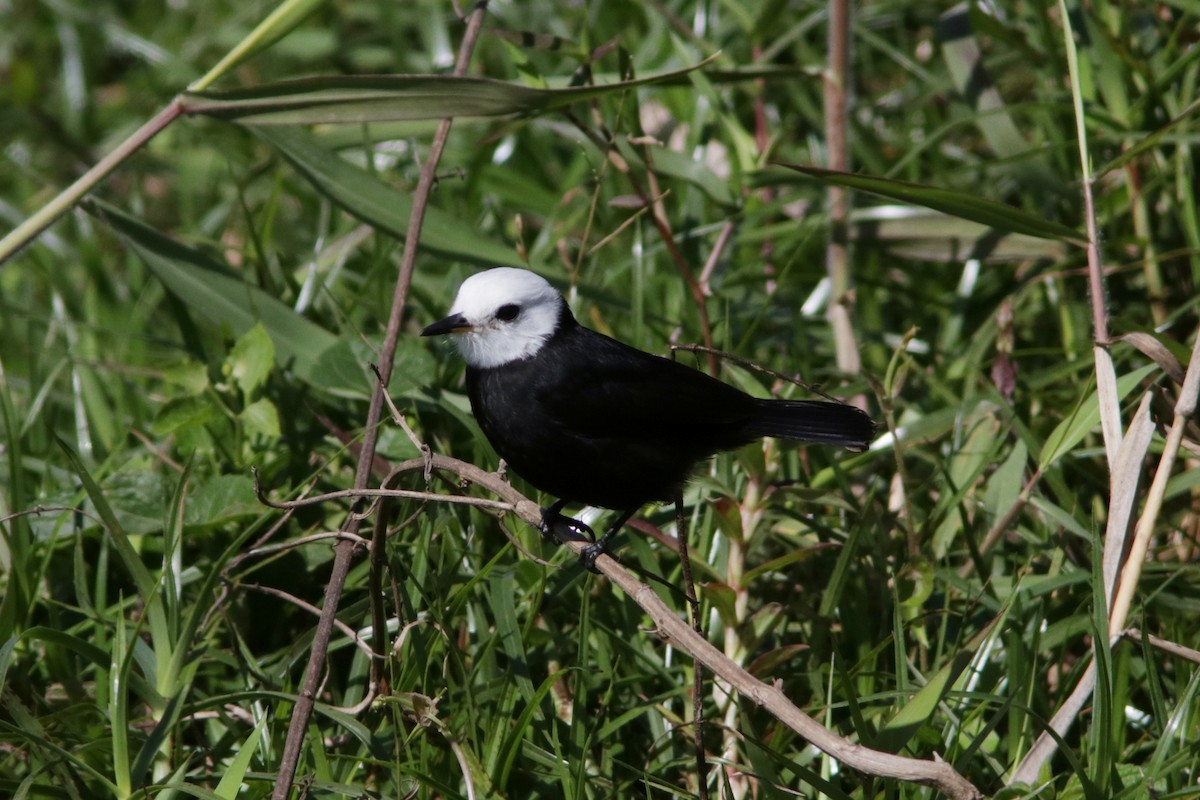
x,y
214,304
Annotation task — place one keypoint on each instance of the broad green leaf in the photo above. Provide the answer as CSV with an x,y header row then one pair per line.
x,y
220,499
378,204
261,418
948,201
722,598
191,375
137,497
186,412
251,359
203,285
358,99
1005,484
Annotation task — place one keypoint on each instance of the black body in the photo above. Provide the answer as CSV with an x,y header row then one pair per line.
x,y
591,420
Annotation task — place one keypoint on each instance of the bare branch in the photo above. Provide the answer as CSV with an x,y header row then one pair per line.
x,y
680,634
303,708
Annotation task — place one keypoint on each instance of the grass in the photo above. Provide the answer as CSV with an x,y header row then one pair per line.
x,y
213,305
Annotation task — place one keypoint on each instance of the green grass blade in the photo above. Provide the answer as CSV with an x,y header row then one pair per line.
x,y
146,585
315,354
235,773
378,204
286,16
948,201
389,98
1085,419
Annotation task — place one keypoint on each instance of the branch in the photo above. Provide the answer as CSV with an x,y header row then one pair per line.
x,y
303,708
937,773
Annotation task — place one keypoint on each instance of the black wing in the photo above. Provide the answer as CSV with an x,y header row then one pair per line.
x,y
611,390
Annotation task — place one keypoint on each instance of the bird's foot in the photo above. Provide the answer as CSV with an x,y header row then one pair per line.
x,y
599,547
553,518
589,554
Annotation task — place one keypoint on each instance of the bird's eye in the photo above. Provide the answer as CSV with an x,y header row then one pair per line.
x,y
508,313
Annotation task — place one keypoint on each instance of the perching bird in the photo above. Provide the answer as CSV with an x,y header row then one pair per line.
x,y
596,422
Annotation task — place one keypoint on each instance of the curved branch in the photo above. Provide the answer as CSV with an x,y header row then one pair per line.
x,y
938,774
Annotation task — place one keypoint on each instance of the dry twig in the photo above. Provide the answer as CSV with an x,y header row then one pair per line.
x,y
305,699
680,634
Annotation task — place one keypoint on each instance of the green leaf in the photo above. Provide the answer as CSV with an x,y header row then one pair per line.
x,y
141,576
378,204
191,376
1085,419
1147,143
137,498
915,582
286,16
261,418
1005,484
203,285
186,412
250,361
220,499
359,99
679,165
909,719
964,62
927,235
235,773
948,201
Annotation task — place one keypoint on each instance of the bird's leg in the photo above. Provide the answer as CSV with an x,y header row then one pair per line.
x,y
590,552
553,516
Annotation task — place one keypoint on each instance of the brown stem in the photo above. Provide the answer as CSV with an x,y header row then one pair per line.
x,y
937,773
837,251
303,708
652,201
689,588
65,200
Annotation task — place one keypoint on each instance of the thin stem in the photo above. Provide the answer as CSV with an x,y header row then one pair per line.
x,y
936,773
837,251
46,216
689,588
302,711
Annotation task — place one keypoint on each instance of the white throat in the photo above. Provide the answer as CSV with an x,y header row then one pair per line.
x,y
486,303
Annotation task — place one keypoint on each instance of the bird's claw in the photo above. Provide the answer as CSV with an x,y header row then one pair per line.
x,y
553,518
589,554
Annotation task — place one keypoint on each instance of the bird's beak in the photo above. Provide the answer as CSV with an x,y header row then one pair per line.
x,y
455,323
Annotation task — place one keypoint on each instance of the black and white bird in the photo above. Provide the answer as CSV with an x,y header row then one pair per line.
x,y
595,422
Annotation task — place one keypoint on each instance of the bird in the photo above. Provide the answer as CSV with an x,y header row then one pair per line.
x,y
592,421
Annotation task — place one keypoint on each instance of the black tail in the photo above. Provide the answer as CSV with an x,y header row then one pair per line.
x,y
814,421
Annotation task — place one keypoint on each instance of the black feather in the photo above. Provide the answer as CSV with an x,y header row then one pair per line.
x,y
591,420
814,421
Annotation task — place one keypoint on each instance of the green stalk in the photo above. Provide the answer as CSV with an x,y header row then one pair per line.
x,y
45,216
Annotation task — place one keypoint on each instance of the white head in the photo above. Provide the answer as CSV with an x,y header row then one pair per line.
x,y
501,315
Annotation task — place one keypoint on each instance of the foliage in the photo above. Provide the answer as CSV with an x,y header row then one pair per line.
x,y
215,304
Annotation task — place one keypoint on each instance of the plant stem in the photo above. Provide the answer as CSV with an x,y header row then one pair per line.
x,y
46,216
